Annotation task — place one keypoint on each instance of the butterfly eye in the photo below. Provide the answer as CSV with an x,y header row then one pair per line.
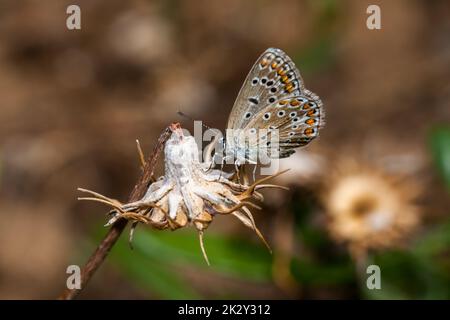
x,y
252,131
281,113
291,133
295,127
296,119
248,115
266,116
263,80
292,114
255,81
271,99
269,83
273,89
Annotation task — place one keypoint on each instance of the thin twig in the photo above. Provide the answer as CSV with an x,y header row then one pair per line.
x,y
116,230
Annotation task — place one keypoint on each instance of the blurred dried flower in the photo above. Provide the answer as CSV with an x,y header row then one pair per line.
x,y
140,36
369,210
305,168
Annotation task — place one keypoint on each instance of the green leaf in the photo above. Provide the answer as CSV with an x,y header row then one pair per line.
x,y
151,275
318,56
158,257
305,229
231,256
387,292
309,273
440,148
432,252
415,274
401,276
159,279
434,242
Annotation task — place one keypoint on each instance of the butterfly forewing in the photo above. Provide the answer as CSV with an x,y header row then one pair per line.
x,y
273,77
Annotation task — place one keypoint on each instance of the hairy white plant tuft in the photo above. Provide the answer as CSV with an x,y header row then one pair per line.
x,y
189,193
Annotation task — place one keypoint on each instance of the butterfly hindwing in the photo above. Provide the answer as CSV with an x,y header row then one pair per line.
x,y
296,121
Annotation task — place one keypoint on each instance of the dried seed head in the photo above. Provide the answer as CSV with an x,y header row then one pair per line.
x,y
369,210
189,193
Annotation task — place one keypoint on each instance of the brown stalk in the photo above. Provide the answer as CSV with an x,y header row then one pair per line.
x,y
117,228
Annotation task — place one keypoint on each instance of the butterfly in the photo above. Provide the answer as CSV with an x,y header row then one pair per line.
x,y
275,108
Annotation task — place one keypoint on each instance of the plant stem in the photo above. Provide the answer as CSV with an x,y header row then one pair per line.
x,y
116,230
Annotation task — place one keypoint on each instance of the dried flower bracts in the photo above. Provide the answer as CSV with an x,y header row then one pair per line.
x,y
188,193
369,210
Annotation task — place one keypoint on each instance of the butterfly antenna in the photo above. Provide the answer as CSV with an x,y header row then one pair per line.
x,y
182,114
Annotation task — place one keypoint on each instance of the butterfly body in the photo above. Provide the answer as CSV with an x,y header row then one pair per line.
x,y
273,112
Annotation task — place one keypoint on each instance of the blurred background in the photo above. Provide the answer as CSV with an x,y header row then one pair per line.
x,y
373,189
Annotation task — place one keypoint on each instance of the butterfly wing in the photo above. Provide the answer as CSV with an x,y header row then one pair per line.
x,y
287,124
274,97
273,77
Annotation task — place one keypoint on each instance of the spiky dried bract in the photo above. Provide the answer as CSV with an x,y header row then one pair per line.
x,y
189,193
368,209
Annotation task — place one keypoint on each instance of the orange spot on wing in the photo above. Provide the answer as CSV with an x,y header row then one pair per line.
x,y
289,87
311,112
310,121
264,63
308,131
294,103
274,65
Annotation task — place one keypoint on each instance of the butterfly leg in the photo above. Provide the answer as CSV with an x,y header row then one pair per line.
x,y
237,168
238,175
224,159
213,161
